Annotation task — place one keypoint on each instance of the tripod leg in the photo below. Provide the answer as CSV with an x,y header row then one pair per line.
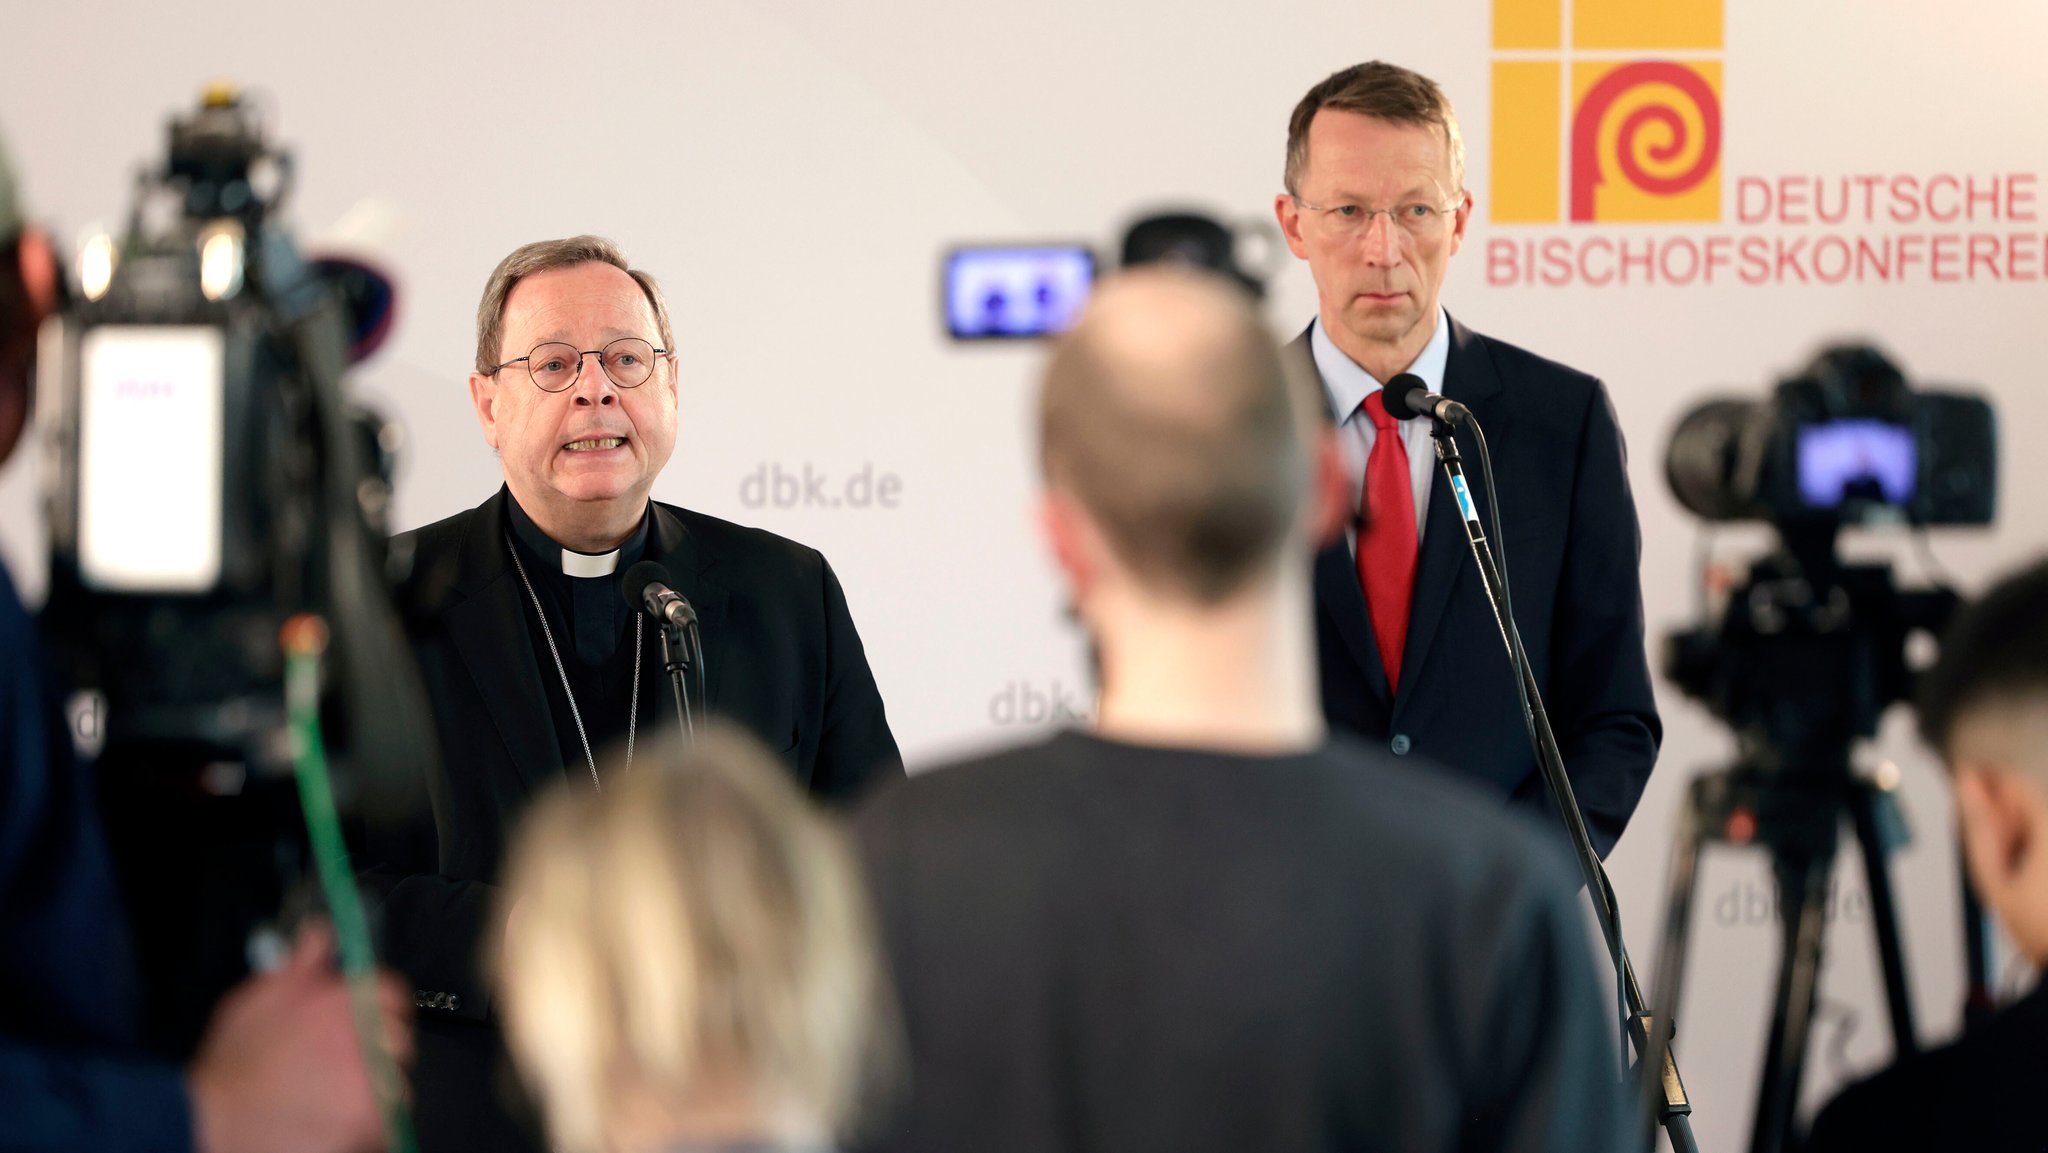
x,y
1884,913
1805,875
1682,883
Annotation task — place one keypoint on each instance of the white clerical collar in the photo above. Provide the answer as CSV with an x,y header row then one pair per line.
x,y
540,546
583,564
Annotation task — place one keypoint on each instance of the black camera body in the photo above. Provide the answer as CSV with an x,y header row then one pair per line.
x,y
1810,651
208,481
1846,441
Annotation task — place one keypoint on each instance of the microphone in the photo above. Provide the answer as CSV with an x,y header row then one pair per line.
x,y
1407,398
647,590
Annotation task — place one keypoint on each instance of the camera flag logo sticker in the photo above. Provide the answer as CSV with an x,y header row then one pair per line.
x,y
1616,118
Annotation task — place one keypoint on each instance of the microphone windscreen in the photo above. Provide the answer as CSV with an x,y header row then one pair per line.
x,y
1398,391
637,579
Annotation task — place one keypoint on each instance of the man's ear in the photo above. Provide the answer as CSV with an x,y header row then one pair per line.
x,y
1996,814
1072,539
1289,215
483,394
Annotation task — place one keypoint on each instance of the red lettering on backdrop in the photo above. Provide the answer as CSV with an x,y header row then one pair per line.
x,y
1792,192
2019,197
1945,247
1692,267
1756,260
1955,208
1557,261
1905,192
1840,248
1983,247
1879,257
1501,265
1717,255
1908,252
1869,186
1789,258
1647,261
1972,197
1744,188
2018,245
1606,276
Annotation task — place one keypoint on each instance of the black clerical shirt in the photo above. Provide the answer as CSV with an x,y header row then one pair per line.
x,y
593,630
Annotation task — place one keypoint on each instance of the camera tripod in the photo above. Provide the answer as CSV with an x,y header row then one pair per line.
x,y
1798,818
1803,664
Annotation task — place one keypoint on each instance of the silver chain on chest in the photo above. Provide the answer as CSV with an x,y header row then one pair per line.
x,y
575,714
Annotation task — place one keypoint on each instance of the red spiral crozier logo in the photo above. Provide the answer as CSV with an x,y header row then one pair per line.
x,y
1661,148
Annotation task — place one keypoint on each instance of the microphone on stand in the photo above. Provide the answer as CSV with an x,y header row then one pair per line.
x,y
1406,398
647,590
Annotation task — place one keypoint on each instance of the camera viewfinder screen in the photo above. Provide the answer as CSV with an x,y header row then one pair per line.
x,y
1872,461
997,293
149,470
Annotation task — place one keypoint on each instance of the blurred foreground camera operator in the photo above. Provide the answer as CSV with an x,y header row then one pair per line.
x,y
279,1067
1984,707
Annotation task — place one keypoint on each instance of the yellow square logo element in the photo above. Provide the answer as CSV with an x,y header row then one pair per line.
x,y
1604,136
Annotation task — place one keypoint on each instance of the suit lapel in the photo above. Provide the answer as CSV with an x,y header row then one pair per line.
x,y
489,629
1470,379
682,553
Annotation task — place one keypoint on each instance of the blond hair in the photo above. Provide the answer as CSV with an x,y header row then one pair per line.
x,y
690,925
543,256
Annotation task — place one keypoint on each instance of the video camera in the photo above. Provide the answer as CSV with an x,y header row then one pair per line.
x,y
1846,441
207,481
1810,651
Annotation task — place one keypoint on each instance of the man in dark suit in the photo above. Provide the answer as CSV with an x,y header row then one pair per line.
x,y
535,662
1207,924
1984,706
1411,655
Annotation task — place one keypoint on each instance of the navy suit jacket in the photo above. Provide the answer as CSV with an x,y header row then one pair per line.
x,y
1573,556
783,661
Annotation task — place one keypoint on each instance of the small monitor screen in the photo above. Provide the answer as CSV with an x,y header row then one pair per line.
x,y
1866,461
149,469
996,293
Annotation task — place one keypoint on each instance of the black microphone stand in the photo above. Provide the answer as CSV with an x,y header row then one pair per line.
x,y
675,658
1667,1090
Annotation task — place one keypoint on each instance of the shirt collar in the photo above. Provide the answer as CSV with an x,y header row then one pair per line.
x,y
1347,385
569,562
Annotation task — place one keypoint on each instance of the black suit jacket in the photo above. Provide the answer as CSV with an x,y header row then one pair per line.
x,y
783,660
1573,551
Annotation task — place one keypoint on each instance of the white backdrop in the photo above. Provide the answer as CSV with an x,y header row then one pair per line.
x,y
800,166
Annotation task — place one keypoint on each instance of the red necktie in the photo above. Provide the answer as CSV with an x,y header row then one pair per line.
x,y
1386,543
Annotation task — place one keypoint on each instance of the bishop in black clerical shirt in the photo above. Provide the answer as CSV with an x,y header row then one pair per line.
x,y
575,390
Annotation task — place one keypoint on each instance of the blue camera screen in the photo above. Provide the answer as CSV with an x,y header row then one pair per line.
x,y
1871,461
1016,292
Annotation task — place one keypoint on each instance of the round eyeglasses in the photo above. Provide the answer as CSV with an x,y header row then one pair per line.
x,y
554,366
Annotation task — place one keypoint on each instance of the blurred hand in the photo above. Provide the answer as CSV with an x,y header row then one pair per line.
x,y
280,1070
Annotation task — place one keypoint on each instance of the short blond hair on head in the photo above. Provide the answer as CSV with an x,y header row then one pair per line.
x,y
693,925
543,256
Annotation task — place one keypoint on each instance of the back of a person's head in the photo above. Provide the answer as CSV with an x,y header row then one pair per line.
x,y
1166,413
697,932
1994,657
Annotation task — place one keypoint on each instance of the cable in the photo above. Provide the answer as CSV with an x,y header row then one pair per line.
x,y
304,638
